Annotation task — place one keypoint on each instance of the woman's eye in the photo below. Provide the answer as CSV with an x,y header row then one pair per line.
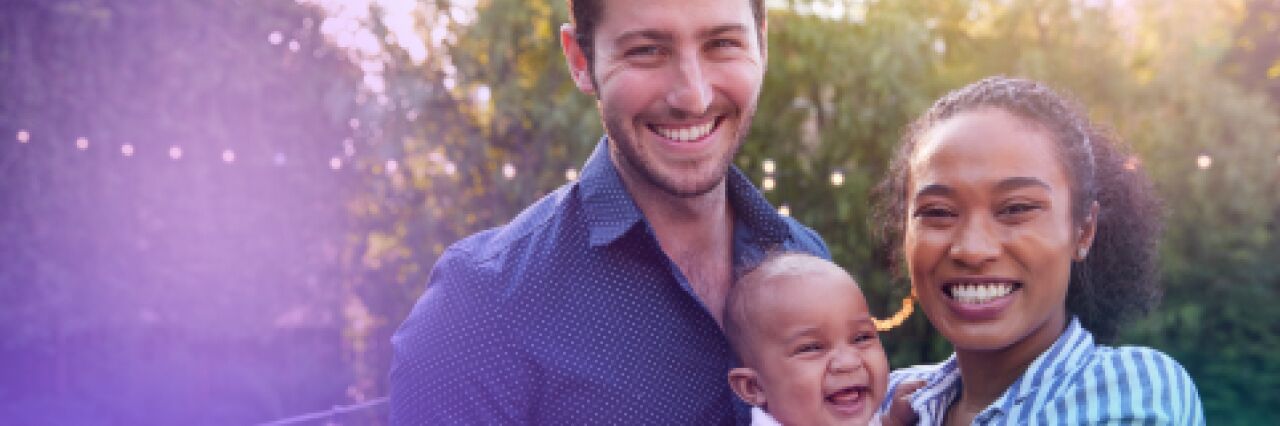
x,y
1019,208
933,212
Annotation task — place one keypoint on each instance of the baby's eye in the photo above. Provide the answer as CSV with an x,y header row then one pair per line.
x,y
865,337
809,348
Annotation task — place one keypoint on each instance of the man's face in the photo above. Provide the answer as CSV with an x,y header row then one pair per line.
x,y
817,358
677,82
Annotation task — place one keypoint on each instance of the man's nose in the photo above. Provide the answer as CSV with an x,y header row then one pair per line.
x,y
975,243
690,91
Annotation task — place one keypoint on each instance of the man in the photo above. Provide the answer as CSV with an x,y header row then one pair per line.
x,y
601,303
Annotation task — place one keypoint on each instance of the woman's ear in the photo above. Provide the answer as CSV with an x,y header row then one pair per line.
x,y
1088,230
743,382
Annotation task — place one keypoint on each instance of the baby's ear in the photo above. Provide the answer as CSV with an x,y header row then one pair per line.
x,y
743,382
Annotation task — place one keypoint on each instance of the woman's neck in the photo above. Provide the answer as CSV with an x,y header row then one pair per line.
x,y
987,374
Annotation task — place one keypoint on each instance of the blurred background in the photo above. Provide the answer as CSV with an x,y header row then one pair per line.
x,y
217,212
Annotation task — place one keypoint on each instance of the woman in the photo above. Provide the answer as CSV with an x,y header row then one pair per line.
x,y
1027,234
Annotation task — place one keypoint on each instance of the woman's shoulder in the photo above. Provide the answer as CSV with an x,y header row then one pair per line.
x,y
1140,382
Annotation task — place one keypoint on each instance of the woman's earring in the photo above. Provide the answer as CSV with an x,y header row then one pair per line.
x,y
1082,253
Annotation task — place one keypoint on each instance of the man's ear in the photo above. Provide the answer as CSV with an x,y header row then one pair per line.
x,y
579,68
1088,230
743,382
764,41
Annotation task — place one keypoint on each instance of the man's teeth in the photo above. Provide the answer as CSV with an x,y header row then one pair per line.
x,y
980,293
686,134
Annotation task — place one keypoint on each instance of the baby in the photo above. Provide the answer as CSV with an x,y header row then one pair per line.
x,y
809,349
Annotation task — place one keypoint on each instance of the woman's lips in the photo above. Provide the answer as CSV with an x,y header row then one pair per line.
x,y
980,300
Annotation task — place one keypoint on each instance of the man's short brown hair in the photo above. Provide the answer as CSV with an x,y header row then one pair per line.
x,y
586,15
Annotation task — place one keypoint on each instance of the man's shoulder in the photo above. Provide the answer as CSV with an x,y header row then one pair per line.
x,y
806,238
535,223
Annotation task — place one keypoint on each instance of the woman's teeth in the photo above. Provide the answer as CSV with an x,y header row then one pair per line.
x,y
686,134
979,293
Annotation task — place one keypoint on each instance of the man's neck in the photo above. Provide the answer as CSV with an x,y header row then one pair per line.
x,y
695,232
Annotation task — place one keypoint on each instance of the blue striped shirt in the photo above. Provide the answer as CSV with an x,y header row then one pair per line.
x,y
1073,382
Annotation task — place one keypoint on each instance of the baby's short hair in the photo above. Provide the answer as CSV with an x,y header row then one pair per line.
x,y
755,277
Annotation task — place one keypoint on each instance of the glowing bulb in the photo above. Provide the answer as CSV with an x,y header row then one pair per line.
x,y
126,150
1132,163
768,166
228,156
1204,162
784,210
275,38
508,171
175,152
335,163
768,183
392,166
23,136
82,143
294,45
571,174
450,168
348,147
837,178
354,123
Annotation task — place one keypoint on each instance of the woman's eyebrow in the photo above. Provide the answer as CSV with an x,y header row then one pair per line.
x,y
1020,182
934,189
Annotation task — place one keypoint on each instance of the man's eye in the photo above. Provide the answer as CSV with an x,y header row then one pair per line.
x,y
724,43
642,51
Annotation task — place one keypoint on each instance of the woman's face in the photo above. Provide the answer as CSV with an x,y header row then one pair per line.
x,y
989,237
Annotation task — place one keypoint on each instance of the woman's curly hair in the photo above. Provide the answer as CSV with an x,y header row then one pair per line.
x,y
1118,281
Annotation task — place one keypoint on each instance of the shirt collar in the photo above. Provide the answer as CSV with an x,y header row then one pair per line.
x,y
611,211
1072,348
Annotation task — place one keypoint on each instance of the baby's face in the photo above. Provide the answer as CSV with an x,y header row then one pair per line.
x,y
817,356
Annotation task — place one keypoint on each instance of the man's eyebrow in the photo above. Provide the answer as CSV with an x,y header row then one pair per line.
x,y
644,34
1020,182
719,30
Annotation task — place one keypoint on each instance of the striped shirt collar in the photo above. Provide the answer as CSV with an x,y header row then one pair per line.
x,y
1072,348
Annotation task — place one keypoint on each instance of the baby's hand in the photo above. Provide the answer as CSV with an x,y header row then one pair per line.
x,y
900,412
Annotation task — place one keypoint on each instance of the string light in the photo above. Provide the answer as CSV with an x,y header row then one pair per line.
x,y
294,45
335,163
784,210
392,166
228,156
275,38
450,168
508,171
348,147
571,174
898,318
1204,162
175,152
1132,163
768,183
82,143
23,136
768,166
126,150
354,123
837,178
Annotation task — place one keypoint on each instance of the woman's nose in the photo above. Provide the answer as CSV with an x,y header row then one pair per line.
x,y
975,243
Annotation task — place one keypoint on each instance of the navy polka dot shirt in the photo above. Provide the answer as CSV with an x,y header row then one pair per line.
x,y
572,314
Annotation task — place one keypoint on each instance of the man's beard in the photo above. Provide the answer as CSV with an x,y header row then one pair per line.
x,y
615,129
